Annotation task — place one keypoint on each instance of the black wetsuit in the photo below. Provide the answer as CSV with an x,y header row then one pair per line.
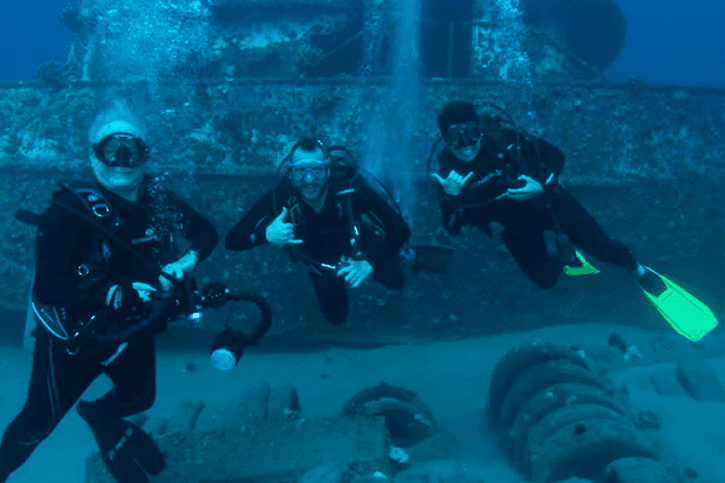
x,y
65,243
495,169
326,237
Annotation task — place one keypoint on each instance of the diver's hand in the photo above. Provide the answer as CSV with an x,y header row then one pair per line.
x,y
280,233
177,269
530,190
355,271
127,299
453,184
144,290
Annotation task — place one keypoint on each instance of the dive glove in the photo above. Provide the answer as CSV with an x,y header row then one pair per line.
x,y
127,299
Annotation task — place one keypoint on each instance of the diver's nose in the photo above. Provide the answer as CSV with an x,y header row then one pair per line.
x,y
123,157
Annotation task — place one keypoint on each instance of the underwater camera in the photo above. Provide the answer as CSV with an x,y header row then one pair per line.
x,y
186,301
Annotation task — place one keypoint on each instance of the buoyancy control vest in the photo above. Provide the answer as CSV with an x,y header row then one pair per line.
x,y
98,212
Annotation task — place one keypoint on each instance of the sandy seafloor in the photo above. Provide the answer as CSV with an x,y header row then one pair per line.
x,y
451,378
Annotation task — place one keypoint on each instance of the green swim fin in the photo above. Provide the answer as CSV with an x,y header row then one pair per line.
x,y
430,257
129,453
688,316
580,266
558,245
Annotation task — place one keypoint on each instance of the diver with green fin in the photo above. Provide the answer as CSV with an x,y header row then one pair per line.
x,y
498,178
106,249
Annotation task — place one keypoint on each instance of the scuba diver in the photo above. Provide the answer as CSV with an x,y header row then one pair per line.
x,y
331,220
104,250
505,182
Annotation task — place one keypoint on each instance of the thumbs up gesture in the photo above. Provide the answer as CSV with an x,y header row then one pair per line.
x,y
280,232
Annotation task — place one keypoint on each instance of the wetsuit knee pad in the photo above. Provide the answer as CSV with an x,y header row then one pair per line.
x,y
545,275
336,321
137,406
141,402
32,435
547,280
21,438
334,314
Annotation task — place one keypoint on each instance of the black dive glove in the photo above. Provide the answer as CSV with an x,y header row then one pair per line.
x,y
126,299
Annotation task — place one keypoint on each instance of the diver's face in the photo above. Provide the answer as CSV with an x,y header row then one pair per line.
x,y
118,180
464,141
310,173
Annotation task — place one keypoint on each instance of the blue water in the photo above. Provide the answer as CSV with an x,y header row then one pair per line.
x,y
31,34
673,42
668,41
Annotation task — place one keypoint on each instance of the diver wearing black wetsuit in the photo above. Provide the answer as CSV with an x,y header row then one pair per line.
x,y
332,221
84,267
489,174
151,226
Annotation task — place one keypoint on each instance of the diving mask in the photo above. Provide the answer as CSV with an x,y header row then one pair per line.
x,y
122,150
317,169
459,137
